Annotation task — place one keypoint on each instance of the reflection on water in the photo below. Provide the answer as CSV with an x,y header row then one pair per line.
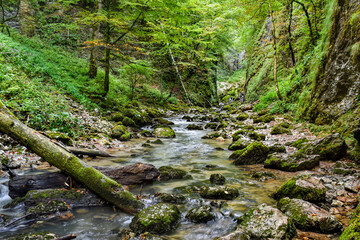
x,y
189,152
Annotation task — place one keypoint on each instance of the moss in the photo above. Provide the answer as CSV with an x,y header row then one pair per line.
x,y
62,137
298,142
265,119
164,132
254,153
277,148
242,117
352,232
221,192
248,133
47,208
238,145
125,137
128,122
200,214
167,173
278,129
163,121
172,198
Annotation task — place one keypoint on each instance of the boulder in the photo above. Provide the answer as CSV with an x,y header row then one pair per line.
x,y
157,219
264,119
171,198
242,117
298,143
163,121
293,163
200,214
195,127
239,144
277,148
212,125
278,129
266,222
309,217
262,176
255,153
128,122
344,168
168,173
304,187
220,192
332,147
217,179
248,134
164,132
120,132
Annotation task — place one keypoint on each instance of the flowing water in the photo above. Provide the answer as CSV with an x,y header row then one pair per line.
x,y
199,157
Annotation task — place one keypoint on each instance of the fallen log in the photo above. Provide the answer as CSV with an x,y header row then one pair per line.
x,y
134,174
88,152
102,185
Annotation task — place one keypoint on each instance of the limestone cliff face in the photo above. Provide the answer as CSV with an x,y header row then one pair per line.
x,y
337,85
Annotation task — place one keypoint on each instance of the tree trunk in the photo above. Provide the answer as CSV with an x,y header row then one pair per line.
x,y
26,18
102,185
275,52
290,9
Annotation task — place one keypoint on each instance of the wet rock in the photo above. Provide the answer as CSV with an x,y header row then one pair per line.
x,y
239,144
146,133
242,117
195,127
167,173
211,125
218,203
304,187
262,176
188,118
279,129
157,141
217,179
298,143
293,163
266,222
163,121
239,234
309,217
120,132
172,198
157,219
253,154
58,136
277,148
332,147
164,132
221,192
200,214
249,134
264,119
215,135
50,207
35,236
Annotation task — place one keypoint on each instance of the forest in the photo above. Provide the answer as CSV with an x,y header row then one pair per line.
x,y
180,119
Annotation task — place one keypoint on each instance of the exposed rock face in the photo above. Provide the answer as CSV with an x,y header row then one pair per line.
x,y
309,217
303,187
338,81
157,219
266,222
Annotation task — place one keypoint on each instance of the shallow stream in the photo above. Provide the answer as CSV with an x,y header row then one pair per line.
x,y
188,151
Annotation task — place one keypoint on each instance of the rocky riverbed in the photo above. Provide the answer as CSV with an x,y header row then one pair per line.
x,y
225,173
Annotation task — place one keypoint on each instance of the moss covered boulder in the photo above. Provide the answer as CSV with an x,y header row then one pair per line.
x,y
211,125
245,133
61,137
293,163
200,214
163,121
266,222
121,133
128,122
157,219
217,179
304,187
279,129
172,198
264,119
168,173
332,147
195,127
242,117
263,176
164,132
239,144
221,192
46,208
309,217
344,168
277,148
255,153
298,143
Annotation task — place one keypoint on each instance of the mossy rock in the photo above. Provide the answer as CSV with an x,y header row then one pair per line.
x,y
303,187
202,214
239,144
352,232
168,173
263,112
242,117
195,127
158,219
227,107
118,131
146,133
296,162
332,147
309,217
249,134
157,141
217,179
264,119
128,122
211,125
220,192
344,168
153,112
49,207
280,130
163,121
298,143
58,136
354,154
248,127
116,117
164,132
172,198
277,148
255,153
35,236
266,222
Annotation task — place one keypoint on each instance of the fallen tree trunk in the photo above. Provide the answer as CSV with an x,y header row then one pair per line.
x,y
134,174
88,152
102,185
